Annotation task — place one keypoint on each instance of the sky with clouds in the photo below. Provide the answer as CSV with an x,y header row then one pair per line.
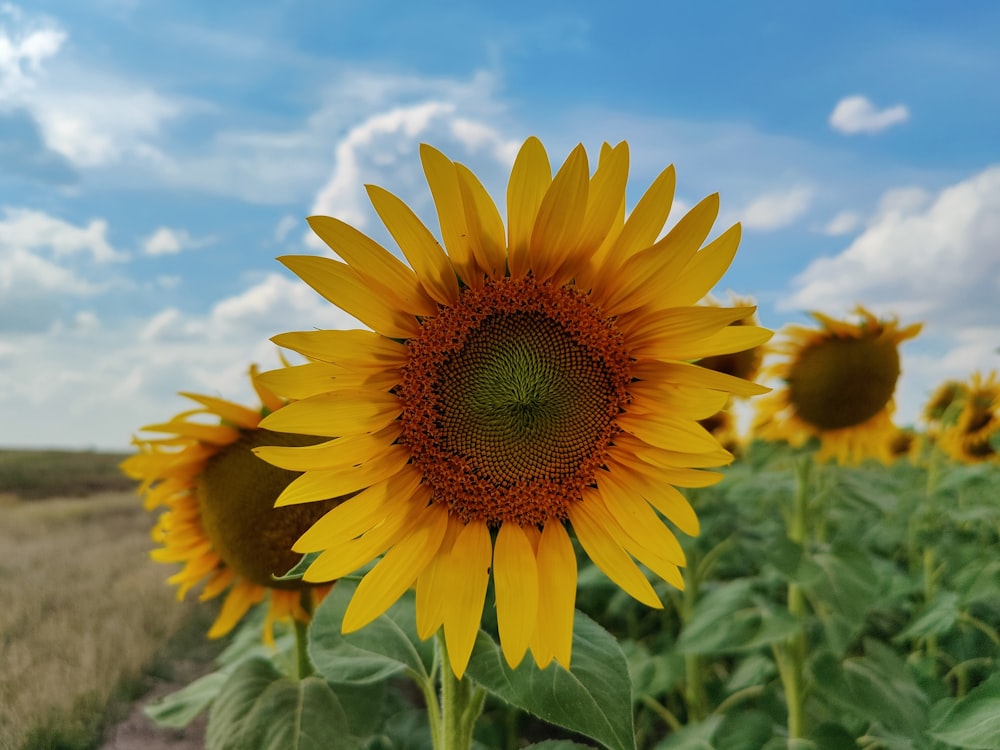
x,y
155,158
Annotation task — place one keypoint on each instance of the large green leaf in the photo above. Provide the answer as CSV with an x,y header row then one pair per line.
x,y
385,647
260,709
973,721
593,698
693,736
937,618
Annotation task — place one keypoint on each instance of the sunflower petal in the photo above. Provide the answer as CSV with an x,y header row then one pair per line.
x,y
557,577
530,178
442,178
515,578
486,232
468,575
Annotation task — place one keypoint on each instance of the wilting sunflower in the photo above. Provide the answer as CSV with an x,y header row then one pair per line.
x,y
840,381
220,520
520,384
944,402
971,437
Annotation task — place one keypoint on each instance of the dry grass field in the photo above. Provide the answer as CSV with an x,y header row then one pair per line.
x,y
86,615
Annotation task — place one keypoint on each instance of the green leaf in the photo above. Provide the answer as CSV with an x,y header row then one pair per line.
x,y
261,709
300,715
877,687
593,698
729,618
300,568
693,736
387,646
743,730
178,709
973,721
557,745
937,619
227,729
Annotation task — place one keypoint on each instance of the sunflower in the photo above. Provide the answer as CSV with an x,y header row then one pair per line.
x,y
904,443
941,404
971,437
520,383
219,518
840,380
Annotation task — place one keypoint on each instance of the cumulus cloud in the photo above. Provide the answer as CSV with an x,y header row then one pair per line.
x,y
89,116
777,209
922,255
134,368
29,229
857,114
167,241
383,149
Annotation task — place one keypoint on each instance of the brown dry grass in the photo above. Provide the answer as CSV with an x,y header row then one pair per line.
x,y
83,612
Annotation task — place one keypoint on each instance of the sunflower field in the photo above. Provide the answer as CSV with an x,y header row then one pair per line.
x,y
517,509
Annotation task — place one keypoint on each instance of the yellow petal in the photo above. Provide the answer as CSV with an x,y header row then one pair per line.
x,y
442,178
681,401
239,600
240,416
605,195
600,545
486,232
432,583
352,349
667,431
728,340
636,518
515,578
379,268
313,378
339,453
468,576
557,575
418,244
530,178
683,373
705,269
342,286
647,218
560,216
336,414
328,484
215,434
361,513
397,571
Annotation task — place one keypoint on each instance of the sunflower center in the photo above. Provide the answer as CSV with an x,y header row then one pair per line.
x,y
510,399
844,382
236,494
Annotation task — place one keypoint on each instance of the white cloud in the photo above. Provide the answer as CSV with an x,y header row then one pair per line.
x,y
134,367
857,114
167,241
90,116
383,149
777,209
844,222
920,256
28,229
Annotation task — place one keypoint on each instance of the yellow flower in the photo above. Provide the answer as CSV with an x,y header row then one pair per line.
x,y
220,520
939,409
528,381
840,381
970,438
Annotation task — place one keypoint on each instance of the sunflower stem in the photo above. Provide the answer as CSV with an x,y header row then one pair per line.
x,y
694,682
304,666
461,704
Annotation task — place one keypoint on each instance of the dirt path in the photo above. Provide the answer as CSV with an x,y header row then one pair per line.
x,y
138,732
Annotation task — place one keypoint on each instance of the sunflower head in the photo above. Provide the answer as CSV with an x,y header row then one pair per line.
x,y
516,383
973,436
943,401
219,519
840,379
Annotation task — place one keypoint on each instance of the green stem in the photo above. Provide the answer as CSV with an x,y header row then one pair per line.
x,y
461,704
303,663
694,679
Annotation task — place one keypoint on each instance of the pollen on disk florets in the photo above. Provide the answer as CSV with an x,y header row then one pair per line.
x,y
510,398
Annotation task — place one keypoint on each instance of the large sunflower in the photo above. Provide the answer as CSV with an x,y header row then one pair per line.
x,y
840,380
220,520
521,383
971,437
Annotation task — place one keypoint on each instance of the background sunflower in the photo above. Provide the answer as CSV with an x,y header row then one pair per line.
x,y
839,380
219,521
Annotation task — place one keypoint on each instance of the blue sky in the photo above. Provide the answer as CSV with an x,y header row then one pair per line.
x,y
156,157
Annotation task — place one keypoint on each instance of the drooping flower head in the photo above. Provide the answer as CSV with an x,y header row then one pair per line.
x,y
971,438
517,384
943,405
840,381
219,519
